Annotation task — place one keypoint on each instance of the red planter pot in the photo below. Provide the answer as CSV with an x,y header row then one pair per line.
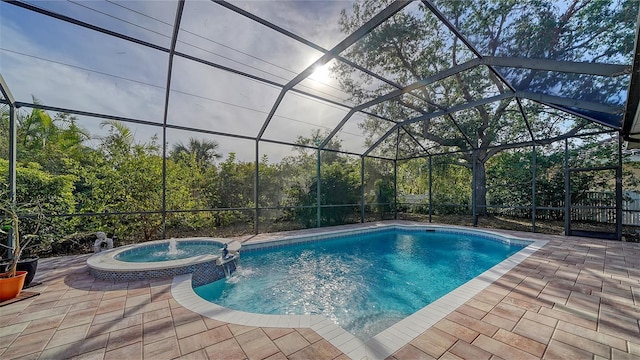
x,y
10,287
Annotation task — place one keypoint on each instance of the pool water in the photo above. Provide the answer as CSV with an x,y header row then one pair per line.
x,y
364,283
160,252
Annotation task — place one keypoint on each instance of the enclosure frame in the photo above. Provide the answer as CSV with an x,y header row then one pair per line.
x,y
335,53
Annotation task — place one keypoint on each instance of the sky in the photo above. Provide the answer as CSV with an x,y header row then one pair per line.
x,y
67,66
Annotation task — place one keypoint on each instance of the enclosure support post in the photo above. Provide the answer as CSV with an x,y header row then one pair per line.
x,y
362,189
619,190
395,189
567,190
13,136
318,224
172,50
430,189
256,192
533,188
474,212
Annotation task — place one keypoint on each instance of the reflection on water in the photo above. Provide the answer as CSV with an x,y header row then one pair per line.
x,y
364,284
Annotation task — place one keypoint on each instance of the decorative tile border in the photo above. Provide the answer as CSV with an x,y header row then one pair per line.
x,y
386,342
204,273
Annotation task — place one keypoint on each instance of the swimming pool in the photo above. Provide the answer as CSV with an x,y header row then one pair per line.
x,y
364,283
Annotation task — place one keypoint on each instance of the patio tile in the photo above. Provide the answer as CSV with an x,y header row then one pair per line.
x,y
33,307
119,324
560,350
165,349
434,342
76,318
582,343
309,334
92,355
471,311
291,343
138,300
85,305
520,342
534,331
227,349
27,344
114,294
411,352
156,314
319,350
159,293
157,330
499,321
279,356
133,351
481,305
524,302
274,333
620,355
191,328
449,356
465,350
79,299
508,312
472,323
196,355
204,339
457,330
256,344
13,329
211,323
44,313
182,316
68,335
539,318
110,305
500,349
5,341
109,316
241,329
570,317
124,337
143,290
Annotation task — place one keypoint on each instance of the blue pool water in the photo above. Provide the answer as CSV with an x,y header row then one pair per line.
x,y
364,283
160,252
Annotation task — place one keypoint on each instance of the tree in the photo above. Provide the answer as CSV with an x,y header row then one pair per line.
x,y
205,151
413,45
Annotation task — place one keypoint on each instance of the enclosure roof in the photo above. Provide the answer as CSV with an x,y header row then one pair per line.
x,y
391,79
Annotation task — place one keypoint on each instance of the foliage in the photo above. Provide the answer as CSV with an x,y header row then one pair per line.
x,y
39,192
340,185
413,45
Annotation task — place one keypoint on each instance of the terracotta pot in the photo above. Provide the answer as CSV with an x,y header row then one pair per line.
x,y
29,264
10,287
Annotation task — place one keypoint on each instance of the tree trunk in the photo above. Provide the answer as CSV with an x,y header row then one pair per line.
x,y
481,188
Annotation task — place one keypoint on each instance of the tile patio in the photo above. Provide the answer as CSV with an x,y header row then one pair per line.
x,y
575,298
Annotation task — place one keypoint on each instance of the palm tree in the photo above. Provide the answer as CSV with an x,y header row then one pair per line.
x,y
203,150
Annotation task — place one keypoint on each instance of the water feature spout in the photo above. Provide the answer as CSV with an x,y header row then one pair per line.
x,y
173,247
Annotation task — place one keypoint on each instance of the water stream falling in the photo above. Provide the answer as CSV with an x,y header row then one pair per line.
x,y
173,247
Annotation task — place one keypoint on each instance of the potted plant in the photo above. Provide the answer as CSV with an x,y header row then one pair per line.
x,y
14,278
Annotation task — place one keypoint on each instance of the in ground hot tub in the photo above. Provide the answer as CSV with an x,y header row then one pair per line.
x,y
166,258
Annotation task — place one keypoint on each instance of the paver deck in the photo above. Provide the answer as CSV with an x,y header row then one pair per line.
x,y
576,298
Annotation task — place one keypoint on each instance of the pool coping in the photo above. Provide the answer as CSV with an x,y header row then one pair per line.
x,y
384,343
105,260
